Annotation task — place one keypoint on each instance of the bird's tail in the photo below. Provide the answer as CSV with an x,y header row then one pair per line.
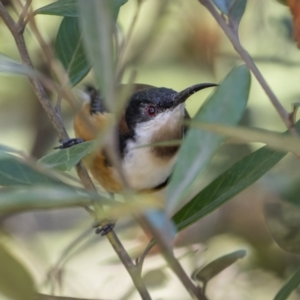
x,y
96,101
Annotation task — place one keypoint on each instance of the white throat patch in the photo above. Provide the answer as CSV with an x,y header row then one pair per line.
x,y
142,168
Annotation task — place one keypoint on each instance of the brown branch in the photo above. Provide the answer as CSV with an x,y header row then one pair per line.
x,y
234,39
140,260
173,263
62,134
21,21
38,88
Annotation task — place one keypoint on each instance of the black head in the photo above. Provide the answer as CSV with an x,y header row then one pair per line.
x,y
147,104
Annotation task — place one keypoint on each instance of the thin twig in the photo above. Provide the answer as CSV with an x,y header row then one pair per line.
x,y
234,39
125,42
41,94
21,21
129,265
140,260
60,129
173,263
56,269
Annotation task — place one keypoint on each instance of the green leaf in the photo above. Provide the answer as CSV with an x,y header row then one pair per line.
x,y
225,106
161,223
284,2
8,65
283,220
117,6
17,172
236,11
65,8
291,285
66,159
96,22
223,5
68,8
40,197
15,281
69,50
273,139
204,274
4,148
228,184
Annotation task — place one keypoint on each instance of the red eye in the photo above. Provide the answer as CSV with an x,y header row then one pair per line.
x,y
151,110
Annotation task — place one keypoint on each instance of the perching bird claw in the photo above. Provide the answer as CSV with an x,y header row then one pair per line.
x,y
103,227
69,143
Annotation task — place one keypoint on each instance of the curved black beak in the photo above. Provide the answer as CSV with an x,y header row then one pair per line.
x,y
186,93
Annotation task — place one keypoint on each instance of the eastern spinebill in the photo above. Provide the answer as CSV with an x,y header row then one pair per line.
x,y
152,115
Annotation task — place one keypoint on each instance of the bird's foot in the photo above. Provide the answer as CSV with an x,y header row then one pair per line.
x,y
104,227
69,143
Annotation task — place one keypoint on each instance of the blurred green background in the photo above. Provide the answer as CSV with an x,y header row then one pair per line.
x,y
185,46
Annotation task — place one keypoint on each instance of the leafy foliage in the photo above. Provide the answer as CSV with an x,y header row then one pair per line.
x,y
228,184
16,172
69,50
65,8
283,219
200,146
241,175
204,274
66,159
234,9
291,285
85,39
40,197
12,271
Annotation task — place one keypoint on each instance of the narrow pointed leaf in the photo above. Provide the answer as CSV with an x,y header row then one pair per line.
x,y
16,172
66,159
273,139
4,148
283,220
241,175
284,2
40,197
116,8
236,11
288,288
15,281
70,51
225,106
161,222
65,8
97,20
223,5
215,267
10,66
68,8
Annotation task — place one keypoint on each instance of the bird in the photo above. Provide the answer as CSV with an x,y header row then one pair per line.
x,y
152,115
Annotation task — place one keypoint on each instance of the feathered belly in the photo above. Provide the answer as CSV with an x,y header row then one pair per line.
x,y
144,170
